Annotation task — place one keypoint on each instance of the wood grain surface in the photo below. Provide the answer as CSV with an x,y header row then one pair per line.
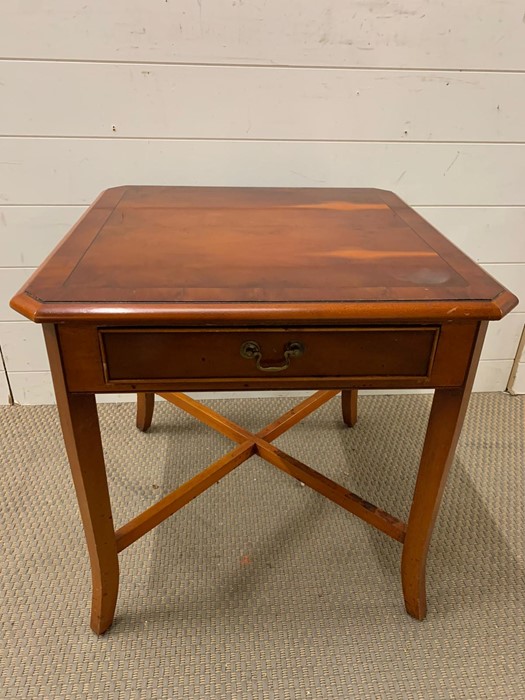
x,y
151,252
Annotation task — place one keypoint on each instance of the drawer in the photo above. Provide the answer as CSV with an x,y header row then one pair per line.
x,y
162,354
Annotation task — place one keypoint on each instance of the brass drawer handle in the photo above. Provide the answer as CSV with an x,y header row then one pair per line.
x,y
252,350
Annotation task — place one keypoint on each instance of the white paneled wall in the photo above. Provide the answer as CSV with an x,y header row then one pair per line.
x,y
368,34
518,384
260,103
420,97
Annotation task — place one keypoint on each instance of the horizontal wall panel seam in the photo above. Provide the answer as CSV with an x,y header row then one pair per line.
x,y
419,142
271,66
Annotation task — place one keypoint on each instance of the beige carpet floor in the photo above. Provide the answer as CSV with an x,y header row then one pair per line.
x,y
261,588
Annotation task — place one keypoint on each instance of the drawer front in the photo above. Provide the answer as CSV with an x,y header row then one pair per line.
x,y
156,354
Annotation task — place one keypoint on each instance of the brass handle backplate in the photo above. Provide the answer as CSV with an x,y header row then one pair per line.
x,y
251,350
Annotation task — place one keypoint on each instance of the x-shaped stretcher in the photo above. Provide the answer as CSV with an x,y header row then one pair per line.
x,y
249,444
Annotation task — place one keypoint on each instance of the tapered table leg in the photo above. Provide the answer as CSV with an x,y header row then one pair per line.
x,y
145,406
444,427
80,427
349,406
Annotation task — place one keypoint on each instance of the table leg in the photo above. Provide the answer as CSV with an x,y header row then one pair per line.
x,y
145,406
349,406
84,447
444,427
81,430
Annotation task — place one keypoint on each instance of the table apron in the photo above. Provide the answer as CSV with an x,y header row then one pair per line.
x,y
105,359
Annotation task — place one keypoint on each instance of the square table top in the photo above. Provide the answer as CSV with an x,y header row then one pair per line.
x,y
145,254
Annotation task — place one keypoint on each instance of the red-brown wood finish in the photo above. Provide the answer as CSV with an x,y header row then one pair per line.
x,y
168,289
444,427
80,427
437,361
190,255
145,406
349,406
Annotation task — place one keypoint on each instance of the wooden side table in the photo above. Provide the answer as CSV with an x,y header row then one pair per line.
x,y
168,289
